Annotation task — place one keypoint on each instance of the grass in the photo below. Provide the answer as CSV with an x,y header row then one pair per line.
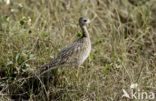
x,y
123,37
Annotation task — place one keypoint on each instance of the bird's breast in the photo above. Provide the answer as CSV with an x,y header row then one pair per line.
x,y
85,52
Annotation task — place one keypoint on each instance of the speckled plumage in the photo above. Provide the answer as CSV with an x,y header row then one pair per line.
x,y
74,54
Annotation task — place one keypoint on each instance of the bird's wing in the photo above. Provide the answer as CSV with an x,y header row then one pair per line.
x,y
68,55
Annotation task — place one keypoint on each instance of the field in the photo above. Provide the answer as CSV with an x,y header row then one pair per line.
x,y
123,37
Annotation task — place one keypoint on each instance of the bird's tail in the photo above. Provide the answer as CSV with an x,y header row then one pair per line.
x,y
46,67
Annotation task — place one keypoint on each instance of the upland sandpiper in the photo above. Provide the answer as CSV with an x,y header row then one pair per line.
x,y
74,54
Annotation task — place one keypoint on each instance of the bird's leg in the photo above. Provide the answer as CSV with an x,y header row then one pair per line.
x,y
78,71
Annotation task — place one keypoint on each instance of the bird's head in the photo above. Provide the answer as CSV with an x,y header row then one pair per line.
x,y
83,21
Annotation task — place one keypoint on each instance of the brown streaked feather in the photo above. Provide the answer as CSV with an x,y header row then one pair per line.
x,y
73,55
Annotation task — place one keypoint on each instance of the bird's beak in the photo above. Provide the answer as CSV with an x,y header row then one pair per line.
x,y
88,21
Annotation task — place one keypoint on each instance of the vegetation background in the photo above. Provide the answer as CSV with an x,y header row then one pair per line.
x,y
32,32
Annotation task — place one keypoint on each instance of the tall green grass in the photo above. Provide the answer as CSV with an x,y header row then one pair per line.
x,y
123,37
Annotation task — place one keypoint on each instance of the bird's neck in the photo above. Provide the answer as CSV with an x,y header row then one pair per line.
x,y
84,31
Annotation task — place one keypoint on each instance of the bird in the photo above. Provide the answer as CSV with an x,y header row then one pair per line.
x,y
74,54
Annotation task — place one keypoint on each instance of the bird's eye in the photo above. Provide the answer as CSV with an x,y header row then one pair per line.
x,y
85,20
